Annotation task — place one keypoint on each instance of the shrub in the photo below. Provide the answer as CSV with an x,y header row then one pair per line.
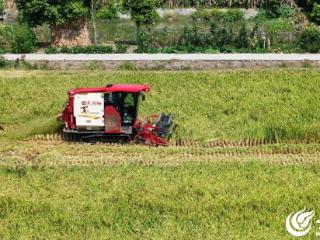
x,y
315,14
144,42
310,40
81,49
217,14
51,50
120,48
3,62
220,35
286,11
108,12
261,16
87,49
143,13
3,38
230,15
202,14
21,38
192,37
1,7
272,8
234,15
227,49
243,37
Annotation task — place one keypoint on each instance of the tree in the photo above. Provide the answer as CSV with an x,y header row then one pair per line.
x,y
306,5
143,12
93,9
272,8
242,40
311,8
315,14
310,40
67,19
1,7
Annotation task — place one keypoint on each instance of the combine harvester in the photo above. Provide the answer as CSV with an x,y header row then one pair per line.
x,y
110,114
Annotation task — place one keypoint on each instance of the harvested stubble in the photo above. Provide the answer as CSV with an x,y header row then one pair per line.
x,y
56,152
214,184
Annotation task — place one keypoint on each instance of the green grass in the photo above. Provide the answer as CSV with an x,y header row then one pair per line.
x,y
210,201
277,105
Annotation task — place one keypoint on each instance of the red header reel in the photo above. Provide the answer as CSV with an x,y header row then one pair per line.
x,y
156,130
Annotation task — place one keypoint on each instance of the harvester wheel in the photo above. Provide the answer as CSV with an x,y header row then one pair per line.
x,y
69,137
139,141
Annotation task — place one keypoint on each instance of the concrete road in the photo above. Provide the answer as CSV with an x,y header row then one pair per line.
x,y
163,57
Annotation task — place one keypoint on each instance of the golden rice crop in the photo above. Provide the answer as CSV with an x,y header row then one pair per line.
x,y
258,106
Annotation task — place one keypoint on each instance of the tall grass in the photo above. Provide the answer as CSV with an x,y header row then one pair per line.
x,y
274,105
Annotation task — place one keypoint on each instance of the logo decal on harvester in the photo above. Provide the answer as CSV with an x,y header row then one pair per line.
x,y
299,224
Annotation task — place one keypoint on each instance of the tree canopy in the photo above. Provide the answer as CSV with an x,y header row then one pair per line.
x,y
57,12
311,8
143,12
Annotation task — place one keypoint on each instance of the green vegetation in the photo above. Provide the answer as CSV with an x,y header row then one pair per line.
x,y
277,28
17,38
21,38
315,14
229,31
220,201
268,4
271,105
1,7
119,48
216,30
310,40
143,13
272,8
81,49
109,12
61,17
311,8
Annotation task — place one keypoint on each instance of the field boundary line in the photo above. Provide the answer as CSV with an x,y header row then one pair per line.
x,y
163,57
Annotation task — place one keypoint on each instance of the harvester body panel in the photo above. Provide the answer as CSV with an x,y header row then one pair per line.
x,y
111,112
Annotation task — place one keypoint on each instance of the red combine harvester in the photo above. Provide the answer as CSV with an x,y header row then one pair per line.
x,y
110,114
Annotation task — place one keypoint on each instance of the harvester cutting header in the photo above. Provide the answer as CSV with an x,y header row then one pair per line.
x,y
111,113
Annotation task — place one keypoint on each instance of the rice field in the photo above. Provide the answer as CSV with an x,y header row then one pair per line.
x,y
246,154
234,200
261,105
